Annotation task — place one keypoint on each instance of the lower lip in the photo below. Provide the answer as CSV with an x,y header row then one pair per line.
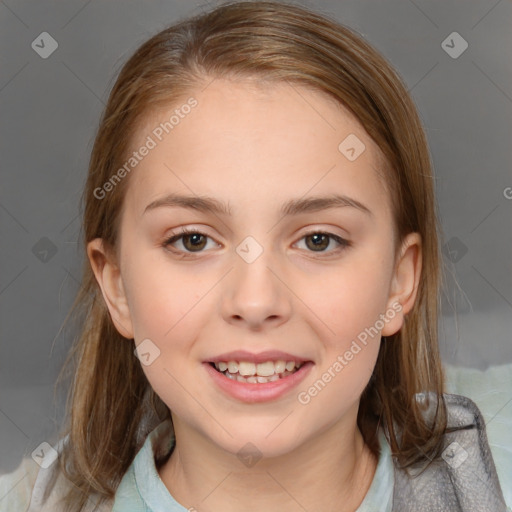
x,y
260,392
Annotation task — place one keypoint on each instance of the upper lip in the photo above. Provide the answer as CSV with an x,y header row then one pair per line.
x,y
261,357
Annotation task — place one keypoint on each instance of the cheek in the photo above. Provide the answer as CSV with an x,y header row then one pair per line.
x,y
350,305
351,346
161,296
352,298
166,309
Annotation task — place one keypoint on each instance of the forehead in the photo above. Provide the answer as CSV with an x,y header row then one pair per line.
x,y
243,134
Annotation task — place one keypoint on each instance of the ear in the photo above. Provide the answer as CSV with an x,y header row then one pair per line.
x,y
108,275
405,282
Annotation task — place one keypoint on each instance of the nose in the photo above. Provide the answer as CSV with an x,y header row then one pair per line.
x,y
256,295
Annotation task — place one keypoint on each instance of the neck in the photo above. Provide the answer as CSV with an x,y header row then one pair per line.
x,y
333,473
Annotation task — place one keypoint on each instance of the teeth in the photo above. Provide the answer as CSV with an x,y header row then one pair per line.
x,y
245,368
268,370
257,379
280,366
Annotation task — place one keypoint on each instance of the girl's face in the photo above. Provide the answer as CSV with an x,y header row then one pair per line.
x,y
277,264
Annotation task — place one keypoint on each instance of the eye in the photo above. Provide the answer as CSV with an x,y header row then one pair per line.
x,y
192,240
318,241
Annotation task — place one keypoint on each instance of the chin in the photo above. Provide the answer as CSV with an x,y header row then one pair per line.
x,y
264,440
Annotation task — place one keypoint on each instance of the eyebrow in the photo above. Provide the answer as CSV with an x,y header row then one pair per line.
x,y
292,207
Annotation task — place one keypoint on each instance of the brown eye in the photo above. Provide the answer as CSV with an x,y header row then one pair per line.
x,y
318,241
195,241
192,241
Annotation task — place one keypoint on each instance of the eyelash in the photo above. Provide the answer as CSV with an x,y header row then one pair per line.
x,y
344,244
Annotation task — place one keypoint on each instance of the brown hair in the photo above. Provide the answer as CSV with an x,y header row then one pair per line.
x,y
110,399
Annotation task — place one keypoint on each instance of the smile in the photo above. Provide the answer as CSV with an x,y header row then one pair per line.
x,y
261,373
241,379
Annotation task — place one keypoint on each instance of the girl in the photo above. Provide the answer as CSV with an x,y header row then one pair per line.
x,y
260,295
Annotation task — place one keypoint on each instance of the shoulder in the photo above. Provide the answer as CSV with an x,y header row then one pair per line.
x,y
38,488
491,391
464,477
16,487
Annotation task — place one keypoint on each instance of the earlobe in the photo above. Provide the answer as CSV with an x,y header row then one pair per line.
x,y
108,276
405,283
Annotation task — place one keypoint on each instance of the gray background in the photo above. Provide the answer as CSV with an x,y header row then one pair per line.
x,y
50,109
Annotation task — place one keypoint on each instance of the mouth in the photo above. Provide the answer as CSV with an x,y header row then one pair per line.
x,y
257,373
